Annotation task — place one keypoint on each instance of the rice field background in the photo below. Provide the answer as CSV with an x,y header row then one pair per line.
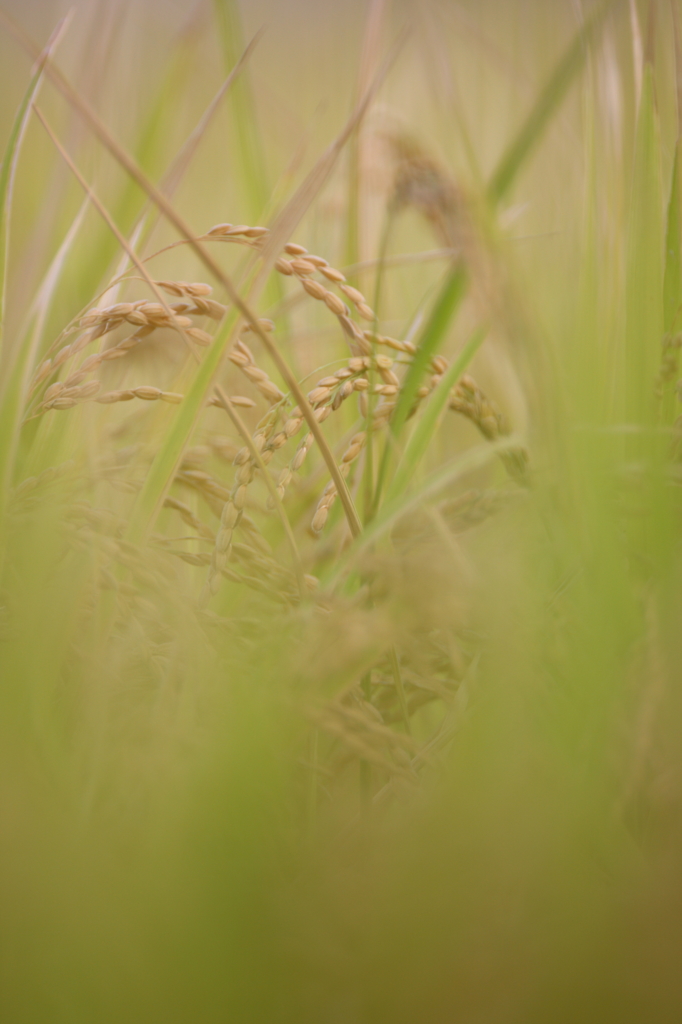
x,y
340,512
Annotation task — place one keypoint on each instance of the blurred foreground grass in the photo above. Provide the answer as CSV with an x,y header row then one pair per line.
x,y
433,773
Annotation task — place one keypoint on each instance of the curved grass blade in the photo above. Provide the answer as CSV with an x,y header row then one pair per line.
x,y
519,149
30,342
421,438
672,278
12,397
447,303
40,307
646,236
11,157
502,180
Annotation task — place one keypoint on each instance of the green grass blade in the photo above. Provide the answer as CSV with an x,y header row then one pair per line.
x,y
447,303
10,159
672,281
426,428
521,146
40,308
30,343
12,397
165,464
646,237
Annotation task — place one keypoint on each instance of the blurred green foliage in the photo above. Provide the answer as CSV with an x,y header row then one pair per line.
x,y
175,846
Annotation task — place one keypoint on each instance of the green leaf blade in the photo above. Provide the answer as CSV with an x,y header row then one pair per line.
x,y
164,466
420,439
556,87
672,281
645,271
12,397
447,303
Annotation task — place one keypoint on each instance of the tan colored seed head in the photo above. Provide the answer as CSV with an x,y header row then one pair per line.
x,y
201,337
333,275
334,303
302,267
353,294
295,250
147,393
317,395
365,311
316,290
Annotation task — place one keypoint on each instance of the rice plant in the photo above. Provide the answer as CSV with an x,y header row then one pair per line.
x,y
340,513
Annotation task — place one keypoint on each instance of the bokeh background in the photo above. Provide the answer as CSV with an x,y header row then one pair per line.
x,y
157,861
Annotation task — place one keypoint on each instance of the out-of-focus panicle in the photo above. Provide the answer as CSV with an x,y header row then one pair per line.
x,y
422,183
